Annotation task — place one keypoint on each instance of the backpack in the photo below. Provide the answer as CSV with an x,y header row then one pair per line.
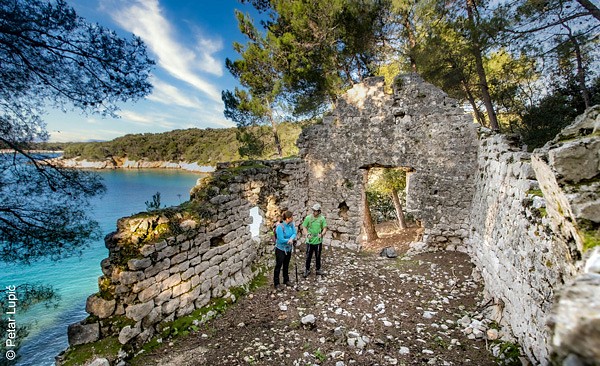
x,y
274,230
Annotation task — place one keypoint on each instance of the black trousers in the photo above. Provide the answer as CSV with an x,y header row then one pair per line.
x,y
282,259
310,249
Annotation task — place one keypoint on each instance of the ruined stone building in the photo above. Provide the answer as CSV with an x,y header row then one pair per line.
x,y
529,221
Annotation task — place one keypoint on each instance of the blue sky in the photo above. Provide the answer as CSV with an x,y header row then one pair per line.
x,y
189,40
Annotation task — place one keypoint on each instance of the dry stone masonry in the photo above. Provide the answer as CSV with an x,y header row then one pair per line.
x,y
534,218
530,222
166,265
418,128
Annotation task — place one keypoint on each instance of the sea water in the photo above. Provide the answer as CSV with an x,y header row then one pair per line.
x,y
74,279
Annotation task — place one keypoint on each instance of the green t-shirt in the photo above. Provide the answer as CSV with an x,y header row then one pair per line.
x,y
314,225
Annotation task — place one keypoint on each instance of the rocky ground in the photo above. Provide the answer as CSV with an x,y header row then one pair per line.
x,y
366,310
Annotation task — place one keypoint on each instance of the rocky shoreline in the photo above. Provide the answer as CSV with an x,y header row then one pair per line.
x,y
124,163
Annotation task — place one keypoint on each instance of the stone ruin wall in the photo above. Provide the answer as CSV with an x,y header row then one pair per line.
x,y
470,193
527,238
147,282
419,128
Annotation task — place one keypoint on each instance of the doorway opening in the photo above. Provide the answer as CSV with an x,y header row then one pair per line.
x,y
386,222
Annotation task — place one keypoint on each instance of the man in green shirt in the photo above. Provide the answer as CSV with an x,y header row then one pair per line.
x,y
314,228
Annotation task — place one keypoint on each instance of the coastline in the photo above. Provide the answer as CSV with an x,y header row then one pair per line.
x,y
10,151
132,164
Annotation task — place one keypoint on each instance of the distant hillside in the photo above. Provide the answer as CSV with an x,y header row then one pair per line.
x,y
205,146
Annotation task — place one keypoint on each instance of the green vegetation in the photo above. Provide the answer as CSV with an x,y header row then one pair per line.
x,y
154,204
106,348
535,192
508,354
590,233
319,355
204,146
183,326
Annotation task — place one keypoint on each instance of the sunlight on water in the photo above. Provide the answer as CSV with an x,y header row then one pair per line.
x,y
76,278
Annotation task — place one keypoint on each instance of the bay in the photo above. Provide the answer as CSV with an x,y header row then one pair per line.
x,y
76,278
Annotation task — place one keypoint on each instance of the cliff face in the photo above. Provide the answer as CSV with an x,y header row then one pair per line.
x,y
529,222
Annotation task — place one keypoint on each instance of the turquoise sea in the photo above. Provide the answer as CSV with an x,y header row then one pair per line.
x,y
76,278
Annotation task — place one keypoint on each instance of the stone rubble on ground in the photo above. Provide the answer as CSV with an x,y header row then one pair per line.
x,y
384,312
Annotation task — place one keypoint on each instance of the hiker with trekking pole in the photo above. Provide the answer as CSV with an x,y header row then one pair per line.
x,y
314,228
285,236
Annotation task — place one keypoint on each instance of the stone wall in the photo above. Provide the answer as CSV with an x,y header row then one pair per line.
x,y
530,222
164,265
419,128
526,228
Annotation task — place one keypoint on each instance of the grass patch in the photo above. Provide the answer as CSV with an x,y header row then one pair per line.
x,y
107,348
535,192
183,326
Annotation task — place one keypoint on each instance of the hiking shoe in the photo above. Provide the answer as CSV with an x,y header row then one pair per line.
x,y
306,273
278,288
320,273
289,284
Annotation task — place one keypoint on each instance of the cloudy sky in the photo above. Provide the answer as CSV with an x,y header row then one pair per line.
x,y
189,40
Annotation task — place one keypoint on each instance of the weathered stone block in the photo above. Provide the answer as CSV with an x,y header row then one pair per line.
x,y
99,307
172,281
128,333
149,293
157,268
139,264
170,306
128,278
179,258
182,288
167,252
152,318
185,310
83,333
188,273
138,311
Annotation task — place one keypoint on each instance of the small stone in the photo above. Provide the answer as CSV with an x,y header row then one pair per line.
x,y
492,334
308,319
404,350
428,314
100,362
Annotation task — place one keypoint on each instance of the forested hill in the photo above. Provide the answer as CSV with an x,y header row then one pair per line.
x,y
205,146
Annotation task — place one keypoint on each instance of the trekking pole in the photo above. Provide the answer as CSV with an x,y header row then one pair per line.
x,y
295,265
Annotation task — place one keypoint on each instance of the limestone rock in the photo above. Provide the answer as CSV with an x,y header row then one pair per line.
x,y
139,311
100,362
98,306
576,321
128,333
388,252
83,333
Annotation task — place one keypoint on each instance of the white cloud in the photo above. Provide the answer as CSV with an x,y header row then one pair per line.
x,y
145,19
170,95
83,136
137,118
207,48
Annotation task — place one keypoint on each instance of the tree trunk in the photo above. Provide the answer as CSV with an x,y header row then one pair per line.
x,y
485,91
276,137
398,207
471,99
411,40
580,71
368,227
